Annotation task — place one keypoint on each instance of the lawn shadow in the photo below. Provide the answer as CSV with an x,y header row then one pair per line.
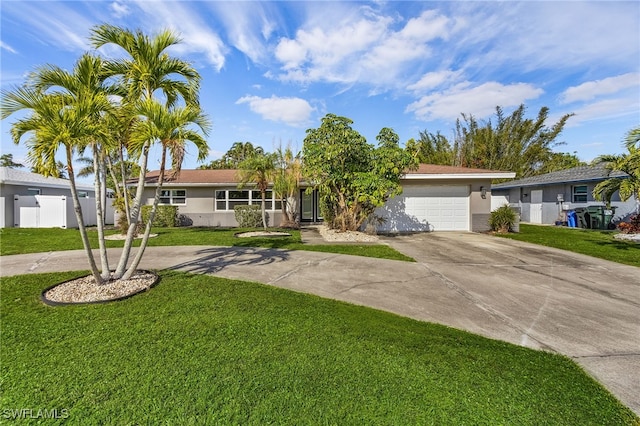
x,y
212,260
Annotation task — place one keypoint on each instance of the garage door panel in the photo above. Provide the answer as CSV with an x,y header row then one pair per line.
x,y
428,208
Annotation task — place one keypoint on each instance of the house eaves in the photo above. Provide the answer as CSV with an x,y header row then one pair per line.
x,y
582,174
9,176
436,171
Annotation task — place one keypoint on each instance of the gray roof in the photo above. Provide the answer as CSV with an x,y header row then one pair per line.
x,y
596,172
18,177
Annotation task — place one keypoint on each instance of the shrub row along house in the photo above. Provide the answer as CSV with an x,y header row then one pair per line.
x,y
434,198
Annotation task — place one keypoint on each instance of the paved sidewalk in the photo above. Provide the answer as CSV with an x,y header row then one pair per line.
x,y
528,295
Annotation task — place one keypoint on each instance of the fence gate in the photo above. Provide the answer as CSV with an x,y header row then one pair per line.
x,y
536,206
39,211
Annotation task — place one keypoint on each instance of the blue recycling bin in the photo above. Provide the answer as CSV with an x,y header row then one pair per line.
x,y
572,219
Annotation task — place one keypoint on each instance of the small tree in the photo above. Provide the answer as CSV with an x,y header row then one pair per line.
x,y
503,219
286,184
258,169
352,176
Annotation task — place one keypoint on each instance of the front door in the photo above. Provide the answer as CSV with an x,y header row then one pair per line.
x,y
309,207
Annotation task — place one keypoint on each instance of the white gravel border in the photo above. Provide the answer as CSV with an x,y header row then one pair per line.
x,y
85,289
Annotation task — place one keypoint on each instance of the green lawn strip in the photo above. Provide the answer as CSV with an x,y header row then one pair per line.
x,y
203,350
594,243
29,240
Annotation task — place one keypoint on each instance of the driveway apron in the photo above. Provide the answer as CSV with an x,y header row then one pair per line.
x,y
524,294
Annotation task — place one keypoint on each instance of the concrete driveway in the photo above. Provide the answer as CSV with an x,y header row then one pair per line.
x,y
585,308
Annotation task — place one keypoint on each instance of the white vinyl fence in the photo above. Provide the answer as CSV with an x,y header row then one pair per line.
x,y
498,201
55,211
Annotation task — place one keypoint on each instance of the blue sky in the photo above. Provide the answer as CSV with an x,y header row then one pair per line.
x,y
271,70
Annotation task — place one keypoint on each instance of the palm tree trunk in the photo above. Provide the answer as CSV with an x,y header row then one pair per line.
x,y
123,174
135,215
100,188
147,231
263,193
79,217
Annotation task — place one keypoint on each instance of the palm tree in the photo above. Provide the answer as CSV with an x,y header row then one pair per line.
x,y
173,128
87,84
6,160
286,183
147,69
258,169
54,122
629,163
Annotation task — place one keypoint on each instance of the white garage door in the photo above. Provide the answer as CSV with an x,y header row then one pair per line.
x,y
428,208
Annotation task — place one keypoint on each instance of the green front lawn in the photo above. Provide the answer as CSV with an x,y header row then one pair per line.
x,y
203,350
585,241
30,240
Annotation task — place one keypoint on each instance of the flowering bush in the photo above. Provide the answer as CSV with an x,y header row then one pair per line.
x,y
631,227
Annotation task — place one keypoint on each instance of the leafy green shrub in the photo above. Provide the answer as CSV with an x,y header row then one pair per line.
x,y
166,216
631,227
503,219
248,216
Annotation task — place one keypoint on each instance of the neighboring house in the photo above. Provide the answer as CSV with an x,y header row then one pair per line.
x,y
543,198
434,198
30,200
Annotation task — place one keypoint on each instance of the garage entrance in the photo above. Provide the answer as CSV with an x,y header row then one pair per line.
x,y
428,208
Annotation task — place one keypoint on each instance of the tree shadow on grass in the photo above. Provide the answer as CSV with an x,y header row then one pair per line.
x,y
212,260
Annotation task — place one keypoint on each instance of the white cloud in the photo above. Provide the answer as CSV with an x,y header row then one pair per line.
x,y
197,35
605,110
119,9
248,26
593,89
432,80
480,101
292,111
553,35
56,25
6,47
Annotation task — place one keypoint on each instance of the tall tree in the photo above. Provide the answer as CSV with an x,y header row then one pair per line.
x,y
172,128
431,149
238,152
353,177
147,70
53,123
513,143
259,169
87,84
629,163
6,160
560,161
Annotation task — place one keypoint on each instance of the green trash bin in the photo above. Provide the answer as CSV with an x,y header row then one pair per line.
x,y
608,217
596,216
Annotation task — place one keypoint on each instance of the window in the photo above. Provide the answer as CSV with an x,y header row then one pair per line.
x,y
173,196
33,191
83,194
228,199
580,194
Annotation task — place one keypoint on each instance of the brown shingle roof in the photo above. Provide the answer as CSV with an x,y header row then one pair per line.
x,y
227,176
436,169
219,176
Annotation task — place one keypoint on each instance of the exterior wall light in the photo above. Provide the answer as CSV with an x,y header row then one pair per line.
x,y
483,192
